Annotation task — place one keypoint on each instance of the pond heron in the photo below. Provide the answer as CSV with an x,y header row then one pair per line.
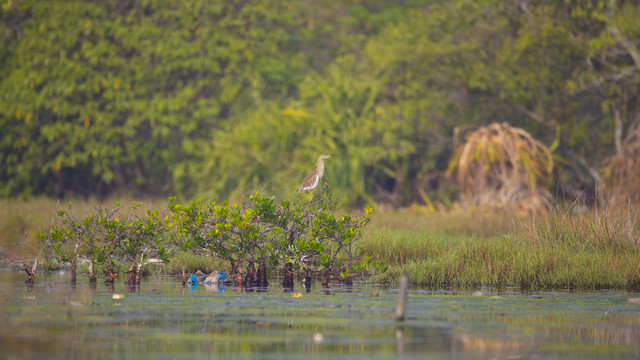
x,y
312,180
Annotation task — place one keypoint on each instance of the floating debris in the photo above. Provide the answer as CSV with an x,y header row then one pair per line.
x,y
118,296
317,338
215,277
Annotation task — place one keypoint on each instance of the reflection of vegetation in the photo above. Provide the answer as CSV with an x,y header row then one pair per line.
x,y
163,322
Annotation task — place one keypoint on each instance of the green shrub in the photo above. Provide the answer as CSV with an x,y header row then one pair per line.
x,y
277,235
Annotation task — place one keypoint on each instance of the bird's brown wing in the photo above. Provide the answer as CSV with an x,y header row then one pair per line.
x,y
310,181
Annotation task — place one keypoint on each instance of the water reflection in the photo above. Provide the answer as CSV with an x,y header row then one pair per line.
x,y
161,318
400,341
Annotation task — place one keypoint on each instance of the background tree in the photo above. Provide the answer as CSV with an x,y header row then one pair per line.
x,y
122,94
218,99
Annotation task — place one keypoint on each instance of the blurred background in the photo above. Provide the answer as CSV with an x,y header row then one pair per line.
x,y
216,99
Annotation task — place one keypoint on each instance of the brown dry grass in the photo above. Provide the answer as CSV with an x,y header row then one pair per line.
x,y
502,166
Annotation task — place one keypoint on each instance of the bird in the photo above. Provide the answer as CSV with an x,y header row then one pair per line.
x,y
312,179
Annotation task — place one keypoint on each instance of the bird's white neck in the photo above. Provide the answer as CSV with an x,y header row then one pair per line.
x,y
320,167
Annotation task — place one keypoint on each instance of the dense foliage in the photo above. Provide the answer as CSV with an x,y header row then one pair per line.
x,y
219,98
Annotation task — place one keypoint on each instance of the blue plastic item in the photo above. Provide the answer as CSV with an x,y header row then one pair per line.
x,y
222,275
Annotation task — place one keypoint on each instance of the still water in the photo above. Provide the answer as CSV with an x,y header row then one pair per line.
x,y
164,320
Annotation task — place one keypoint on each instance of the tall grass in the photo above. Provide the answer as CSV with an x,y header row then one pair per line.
x,y
591,230
435,260
562,249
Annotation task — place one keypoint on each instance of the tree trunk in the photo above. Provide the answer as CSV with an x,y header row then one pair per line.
x,y
349,280
74,267
30,275
236,270
250,276
325,280
31,272
131,274
111,274
138,272
261,280
138,268
287,282
184,275
92,273
307,281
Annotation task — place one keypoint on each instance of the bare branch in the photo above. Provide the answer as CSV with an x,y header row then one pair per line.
x,y
536,117
628,45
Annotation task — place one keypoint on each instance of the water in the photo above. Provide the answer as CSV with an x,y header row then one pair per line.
x,y
164,320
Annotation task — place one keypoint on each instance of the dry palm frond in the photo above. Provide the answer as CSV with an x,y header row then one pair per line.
x,y
500,165
622,171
